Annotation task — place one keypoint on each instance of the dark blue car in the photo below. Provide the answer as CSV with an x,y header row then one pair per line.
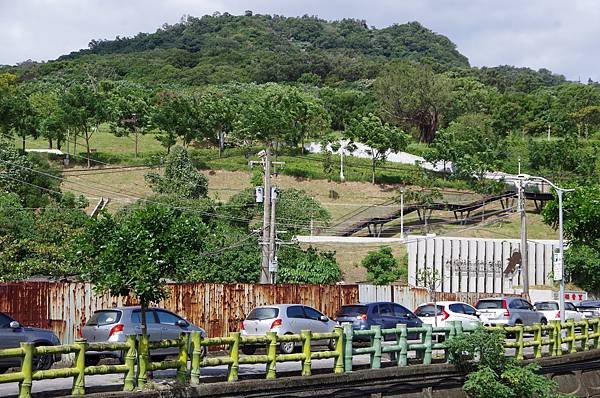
x,y
385,314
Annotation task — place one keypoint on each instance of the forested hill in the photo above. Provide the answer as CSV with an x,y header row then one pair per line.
x,y
260,48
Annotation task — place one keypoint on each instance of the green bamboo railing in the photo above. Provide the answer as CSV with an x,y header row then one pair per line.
x,y
550,340
27,352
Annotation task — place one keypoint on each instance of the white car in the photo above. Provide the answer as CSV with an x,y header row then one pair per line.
x,y
550,309
448,311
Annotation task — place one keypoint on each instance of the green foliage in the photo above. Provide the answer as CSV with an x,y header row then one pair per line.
x,y
28,176
568,156
413,95
261,48
379,137
581,221
181,178
382,267
492,374
307,266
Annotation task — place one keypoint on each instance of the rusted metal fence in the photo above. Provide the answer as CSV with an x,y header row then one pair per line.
x,y
64,307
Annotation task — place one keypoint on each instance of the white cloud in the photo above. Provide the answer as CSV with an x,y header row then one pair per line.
x,y
553,34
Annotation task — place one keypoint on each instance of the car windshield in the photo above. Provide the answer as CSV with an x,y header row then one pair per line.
x,y
546,306
352,310
104,318
259,314
590,303
429,310
490,304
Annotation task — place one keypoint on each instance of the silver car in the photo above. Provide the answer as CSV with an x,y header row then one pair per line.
x,y
115,324
508,311
286,319
12,334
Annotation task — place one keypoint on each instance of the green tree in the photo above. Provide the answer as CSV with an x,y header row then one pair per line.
x,y
50,119
84,110
8,88
413,95
128,110
24,120
181,179
219,111
307,266
582,230
382,267
379,137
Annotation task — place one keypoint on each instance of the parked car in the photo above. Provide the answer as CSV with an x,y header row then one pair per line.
x,y
509,311
551,310
448,311
589,308
385,314
115,324
285,319
12,334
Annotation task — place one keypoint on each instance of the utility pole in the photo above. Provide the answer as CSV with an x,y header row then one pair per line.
x,y
272,237
269,259
264,274
524,254
342,178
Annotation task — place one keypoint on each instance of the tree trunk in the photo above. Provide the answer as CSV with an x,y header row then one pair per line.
x,y
373,170
23,136
136,133
428,129
87,147
50,143
221,143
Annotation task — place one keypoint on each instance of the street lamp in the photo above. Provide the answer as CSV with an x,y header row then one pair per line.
x,y
559,192
402,212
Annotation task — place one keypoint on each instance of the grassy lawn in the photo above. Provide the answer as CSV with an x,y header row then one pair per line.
x,y
231,174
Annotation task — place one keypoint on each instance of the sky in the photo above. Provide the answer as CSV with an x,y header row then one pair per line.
x,y
560,35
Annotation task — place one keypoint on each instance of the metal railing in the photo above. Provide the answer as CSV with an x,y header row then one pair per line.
x,y
559,338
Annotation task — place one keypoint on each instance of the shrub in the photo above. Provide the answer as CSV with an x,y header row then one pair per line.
x,y
382,267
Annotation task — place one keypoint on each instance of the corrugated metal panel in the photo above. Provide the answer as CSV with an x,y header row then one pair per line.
x,y
65,307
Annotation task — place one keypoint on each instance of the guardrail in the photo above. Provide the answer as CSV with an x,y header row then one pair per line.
x,y
401,345
190,360
27,352
557,335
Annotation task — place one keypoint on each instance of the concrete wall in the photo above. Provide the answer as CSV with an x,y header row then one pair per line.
x,y
477,265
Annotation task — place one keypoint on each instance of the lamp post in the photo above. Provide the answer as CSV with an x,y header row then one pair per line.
x,y
561,248
342,178
402,212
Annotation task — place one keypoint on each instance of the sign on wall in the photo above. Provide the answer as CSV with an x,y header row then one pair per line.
x,y
478,265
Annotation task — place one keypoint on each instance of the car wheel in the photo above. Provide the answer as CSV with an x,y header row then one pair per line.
x,y
248,349
331,345
287,347
92,361
42,362
544,322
